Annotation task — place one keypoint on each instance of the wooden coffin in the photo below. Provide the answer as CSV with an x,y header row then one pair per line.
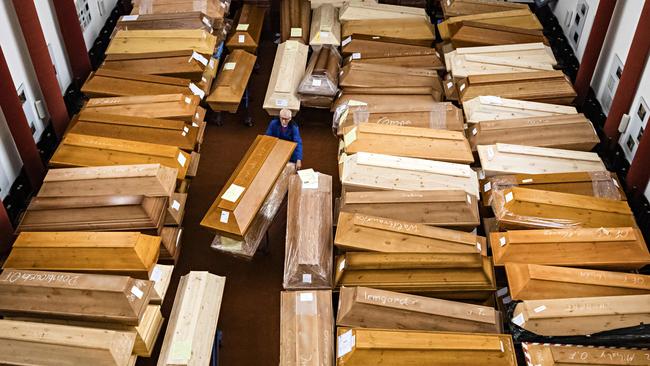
x,y
475,34
539,86
250,20
325,27
306,328
294,20
184,107
467,276
366,75
97,213
308,253
362,346
614,248
426,62
288,69
361,232
232,81
85,151
365,307
582,316
186,64
176,209
597,184
520,159
162,40
161,276
535,282
149,130
189,337
186,20
113,299
322,75
215,9
171,243
453,208
414,142
125,253
29,343
366,10
112,83
240,199
518,208
560,355
517,18
502,59
366,171
570,132
368,46
152,180
490,108
418,30
455,8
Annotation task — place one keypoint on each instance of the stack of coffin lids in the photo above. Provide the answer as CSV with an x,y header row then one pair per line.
x,y
320,82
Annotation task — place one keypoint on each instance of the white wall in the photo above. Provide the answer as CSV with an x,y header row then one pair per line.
x,y
565,12
54,40
10,162
99,11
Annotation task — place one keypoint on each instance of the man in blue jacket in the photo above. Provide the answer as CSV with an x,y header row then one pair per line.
x,y
284,128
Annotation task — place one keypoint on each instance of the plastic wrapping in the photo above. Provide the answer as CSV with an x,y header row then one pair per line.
x,y
215,9
321,76
246,248
308,253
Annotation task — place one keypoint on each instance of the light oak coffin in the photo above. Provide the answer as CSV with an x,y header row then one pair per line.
x,y
192,326
467,276
451,208
176,209
186,64
162,40
366,171
476,34
519,159
566,355
361,346
383,46
250,20
28,343
517,18
582,316
539,86
490,108
570,132
365,10
215,9
418,30
240,199
126,253
413,142
517,58
87,151
161,276
112,83
308,253
361,232
454,8
613,248
184,107
359,76
306,328
294,20
288,69
89,297
365,307
152,180
535,282
232,81
518,208
325,27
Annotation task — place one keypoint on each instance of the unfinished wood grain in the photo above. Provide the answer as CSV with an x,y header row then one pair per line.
x,y
517,18
295,16
558,354
365,75
383,46
325,27
184,107
181,64
161,276
476,34
249,20
517,58
362,10
232,81
454,8
418,30
490,108
162,40
288,69
215,9
112,83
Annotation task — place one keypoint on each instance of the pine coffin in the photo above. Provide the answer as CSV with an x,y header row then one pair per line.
x,y
162,40
366,171
362,10
112,83
240,199
232,81
455,8
582,316
184,107
418,31
215,9
307,329
308,253
89,297
490,108
561,355
412,142
620,248
538,86
521,208
288,69
88,151
124,253
365,307
476,34
325,27
466,276
536,282
444,208
360,232
370,46
250,20
153,180
517,58
520,159
570,132
189,337
294,20
186,64
517,18
360,346
28,343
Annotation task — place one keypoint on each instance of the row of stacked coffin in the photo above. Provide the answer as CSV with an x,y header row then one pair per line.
x,y
96,247
439,144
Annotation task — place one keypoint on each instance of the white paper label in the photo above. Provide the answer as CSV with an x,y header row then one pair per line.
x,y
342,265
229,65
450,85
156,274
197,91
316,82
376,37
469,199
350,137
345,343
481,174
478,246
528,180
224,216
519,319
176,205
207,21
186,129
296,32
490,99
212,63
487,186
356,56
615,183
462,86
509,197
242,27
181,351
306,278
200,58
448,2
539,309
232,193
356,103
474,131
181,159
188,100
306,296
346,41
128,18
324,34
309,178
502,240
241,38
281,102
137,292
194,124
184,133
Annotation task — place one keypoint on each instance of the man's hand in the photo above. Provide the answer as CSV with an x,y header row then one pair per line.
x,y
298,164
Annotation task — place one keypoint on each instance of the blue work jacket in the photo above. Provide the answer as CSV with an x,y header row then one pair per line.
x,y
289,133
